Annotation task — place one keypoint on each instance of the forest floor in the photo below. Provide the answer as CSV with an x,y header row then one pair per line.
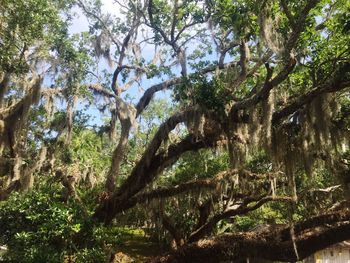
x,y
136,246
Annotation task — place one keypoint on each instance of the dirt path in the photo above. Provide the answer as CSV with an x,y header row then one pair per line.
x,y
137,247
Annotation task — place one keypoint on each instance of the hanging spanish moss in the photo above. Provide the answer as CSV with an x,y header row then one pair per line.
x,y
268,29
49,106
255,127
195,122
102,47
69,119
113,131
268,107
4,82
14,117
27,178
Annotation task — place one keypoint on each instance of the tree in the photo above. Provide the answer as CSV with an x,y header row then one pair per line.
x,y
250,77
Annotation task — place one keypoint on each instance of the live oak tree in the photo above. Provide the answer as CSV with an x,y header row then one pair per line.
x,y
246,77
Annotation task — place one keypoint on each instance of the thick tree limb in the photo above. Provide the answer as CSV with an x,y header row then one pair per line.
x,y
175,233
242,209
148,95
267,245
101,90
126,114
26,179
334,84
204,212
164,192
196,185
133,183
4,87
118,155
145,173
314,222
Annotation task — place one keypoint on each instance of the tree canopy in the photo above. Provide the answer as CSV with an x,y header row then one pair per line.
x,y
222,125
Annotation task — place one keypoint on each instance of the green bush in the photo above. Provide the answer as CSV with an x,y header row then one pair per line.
x,y
39,227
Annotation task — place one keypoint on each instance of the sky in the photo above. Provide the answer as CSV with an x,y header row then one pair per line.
x,y
80,24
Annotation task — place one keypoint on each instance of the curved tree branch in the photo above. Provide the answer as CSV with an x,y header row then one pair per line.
x,y
146,172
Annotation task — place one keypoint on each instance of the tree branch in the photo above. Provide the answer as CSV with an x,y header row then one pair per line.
x,y
286,10
242,209
196,185
147,96
334,84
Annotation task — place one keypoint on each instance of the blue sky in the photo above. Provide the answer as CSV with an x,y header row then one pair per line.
x,y
80,24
